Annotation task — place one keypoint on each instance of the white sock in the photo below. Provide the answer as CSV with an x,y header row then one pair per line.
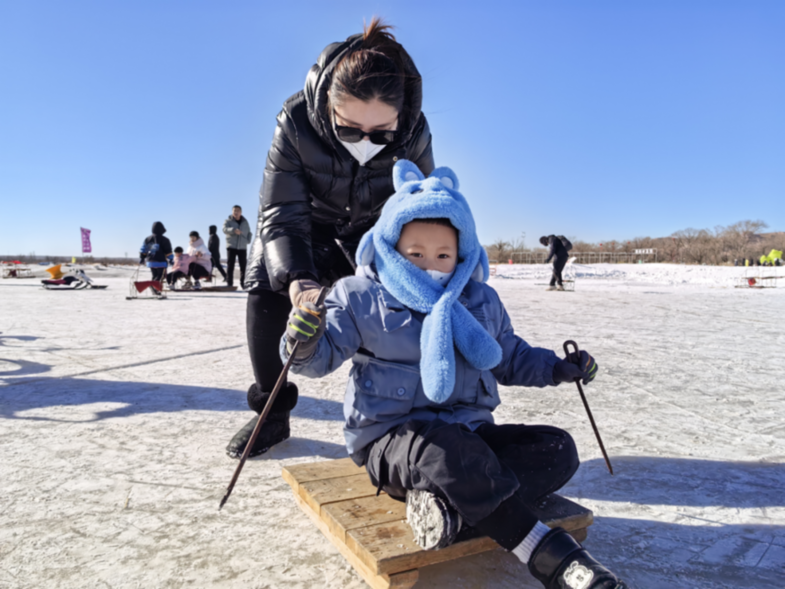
x,y
524,550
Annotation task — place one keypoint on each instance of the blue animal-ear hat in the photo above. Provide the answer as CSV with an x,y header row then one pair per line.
x,y
448,324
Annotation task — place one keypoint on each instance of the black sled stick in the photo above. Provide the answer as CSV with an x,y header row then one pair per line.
x,y
567,345
267,407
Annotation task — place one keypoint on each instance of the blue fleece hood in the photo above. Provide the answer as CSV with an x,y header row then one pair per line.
x,y
448,324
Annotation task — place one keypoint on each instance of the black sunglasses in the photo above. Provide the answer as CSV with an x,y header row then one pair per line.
x,y
353,135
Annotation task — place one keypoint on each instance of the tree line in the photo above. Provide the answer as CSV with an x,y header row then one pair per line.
x,y
721,245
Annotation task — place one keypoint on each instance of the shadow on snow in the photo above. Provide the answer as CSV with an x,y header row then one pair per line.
x,y
131,398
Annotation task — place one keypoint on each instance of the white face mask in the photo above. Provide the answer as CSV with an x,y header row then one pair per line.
x,y
441,277
363,150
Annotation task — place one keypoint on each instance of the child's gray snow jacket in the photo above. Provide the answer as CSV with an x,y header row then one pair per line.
x,y
366,324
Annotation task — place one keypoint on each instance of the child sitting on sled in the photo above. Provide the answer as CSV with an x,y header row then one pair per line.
x,y
429,341
180,266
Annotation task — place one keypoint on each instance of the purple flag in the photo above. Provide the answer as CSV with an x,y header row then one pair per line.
x,y
86,248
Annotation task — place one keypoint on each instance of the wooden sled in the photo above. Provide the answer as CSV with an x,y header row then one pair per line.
x,y
205,289
187,286
371,532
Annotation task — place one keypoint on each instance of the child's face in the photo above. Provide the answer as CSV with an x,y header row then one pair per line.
x,y
178,254
428,246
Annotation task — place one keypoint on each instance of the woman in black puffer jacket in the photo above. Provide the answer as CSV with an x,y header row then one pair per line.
x,y
328,174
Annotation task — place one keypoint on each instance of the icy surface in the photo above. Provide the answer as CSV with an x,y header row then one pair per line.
x,y
114,416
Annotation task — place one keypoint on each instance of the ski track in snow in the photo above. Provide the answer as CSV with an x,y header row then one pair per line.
x,y
114,416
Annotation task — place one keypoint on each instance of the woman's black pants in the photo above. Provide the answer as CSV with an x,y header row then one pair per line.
x,y
265,321
197,271
493,476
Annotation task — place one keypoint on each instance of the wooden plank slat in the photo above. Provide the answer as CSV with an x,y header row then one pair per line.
x,y
558,511
580,534
361,512
318,493
400,580
316,471
388,548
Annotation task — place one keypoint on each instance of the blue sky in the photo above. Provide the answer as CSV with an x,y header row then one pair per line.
x,y
598,120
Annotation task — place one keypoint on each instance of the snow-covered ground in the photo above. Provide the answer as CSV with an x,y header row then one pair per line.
x,y
114,415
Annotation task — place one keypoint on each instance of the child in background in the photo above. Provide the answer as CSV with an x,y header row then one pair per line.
x,y
180,266
201,264
156,249
429,342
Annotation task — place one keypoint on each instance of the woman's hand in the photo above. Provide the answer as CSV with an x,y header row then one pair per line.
x,y
304,291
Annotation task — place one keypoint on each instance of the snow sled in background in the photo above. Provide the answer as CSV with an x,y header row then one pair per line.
x,y
760,277
77,280
569,274
16,269
185,284
145,289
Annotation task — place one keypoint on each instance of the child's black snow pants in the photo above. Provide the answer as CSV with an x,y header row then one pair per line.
x,y
492,476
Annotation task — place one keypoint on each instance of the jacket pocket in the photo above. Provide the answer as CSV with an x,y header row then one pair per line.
x,y
385,390
489,395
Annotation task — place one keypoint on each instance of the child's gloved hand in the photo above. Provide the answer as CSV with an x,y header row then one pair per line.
x,y
305,325
573,367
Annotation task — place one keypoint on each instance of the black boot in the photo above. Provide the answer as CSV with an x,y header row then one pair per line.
x,y
559,562
276,427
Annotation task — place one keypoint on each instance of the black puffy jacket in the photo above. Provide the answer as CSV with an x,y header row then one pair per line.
x,y
156,247
556,249
315,193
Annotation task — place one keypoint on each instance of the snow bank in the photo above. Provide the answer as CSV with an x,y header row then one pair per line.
x,y
664,274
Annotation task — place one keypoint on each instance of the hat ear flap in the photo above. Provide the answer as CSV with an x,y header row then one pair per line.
x,y
405,171
482,271
366,250
446,176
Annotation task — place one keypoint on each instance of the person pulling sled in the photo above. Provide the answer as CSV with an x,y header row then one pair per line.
x,y
558,248
155,251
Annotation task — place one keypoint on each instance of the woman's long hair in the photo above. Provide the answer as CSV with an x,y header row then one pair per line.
x,y
374,71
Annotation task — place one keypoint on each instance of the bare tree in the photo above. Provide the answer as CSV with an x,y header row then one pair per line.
x,y
722,245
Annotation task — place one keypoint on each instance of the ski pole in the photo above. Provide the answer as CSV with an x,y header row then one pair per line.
x,y
346,253
567,345
267,407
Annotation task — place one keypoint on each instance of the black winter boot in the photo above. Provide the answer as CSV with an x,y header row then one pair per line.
x,y
559,562
276,427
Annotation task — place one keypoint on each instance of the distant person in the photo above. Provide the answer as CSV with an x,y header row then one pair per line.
x,y
560,254
238,236
180,267
214,245
201,264
155,250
